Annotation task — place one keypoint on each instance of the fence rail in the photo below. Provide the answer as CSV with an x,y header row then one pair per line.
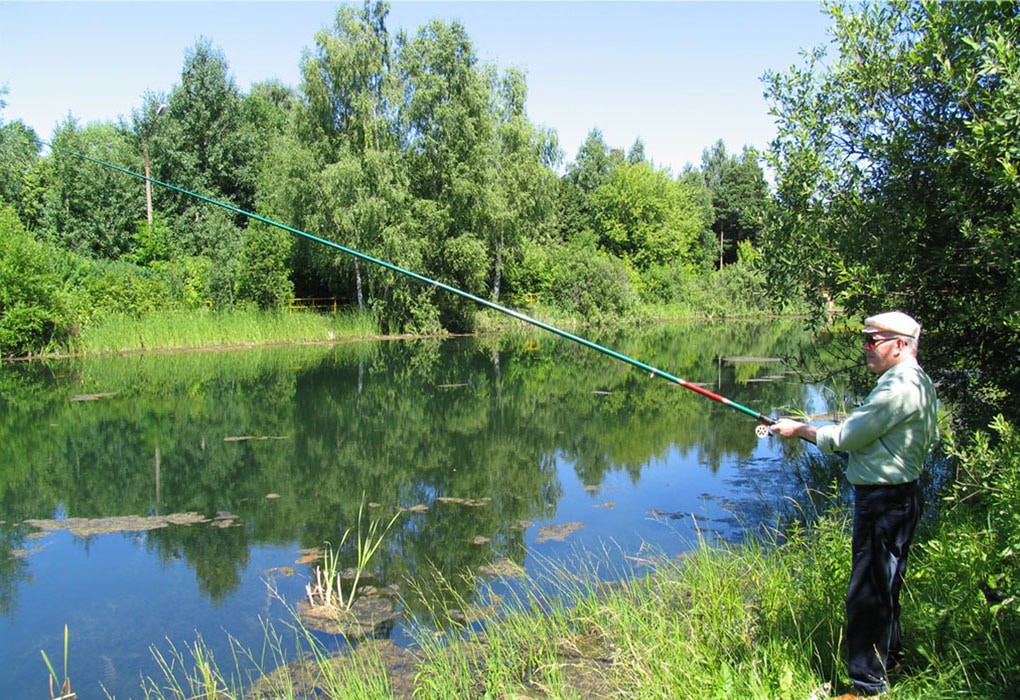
x,y
326,303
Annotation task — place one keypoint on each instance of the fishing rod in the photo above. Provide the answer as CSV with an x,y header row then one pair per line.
x,y
764,421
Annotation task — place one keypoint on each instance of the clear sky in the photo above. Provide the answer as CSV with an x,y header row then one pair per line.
x,y
677,75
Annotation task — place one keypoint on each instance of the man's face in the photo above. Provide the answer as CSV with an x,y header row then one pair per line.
x,y
882,351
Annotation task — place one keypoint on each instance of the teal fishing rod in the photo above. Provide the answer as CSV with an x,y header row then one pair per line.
x,y
653,371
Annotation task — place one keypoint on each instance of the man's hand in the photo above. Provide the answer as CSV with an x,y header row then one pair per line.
x,y
786,428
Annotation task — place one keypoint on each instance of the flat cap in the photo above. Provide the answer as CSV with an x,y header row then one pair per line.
x,y
895,322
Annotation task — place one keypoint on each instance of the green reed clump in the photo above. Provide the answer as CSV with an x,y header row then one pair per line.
x,y
204,328
60,689
329,589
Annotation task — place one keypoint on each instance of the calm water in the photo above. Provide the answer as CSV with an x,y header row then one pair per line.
x,y
275,450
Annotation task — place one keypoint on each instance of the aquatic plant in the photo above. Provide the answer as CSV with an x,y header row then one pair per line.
x,y
329,578
64,687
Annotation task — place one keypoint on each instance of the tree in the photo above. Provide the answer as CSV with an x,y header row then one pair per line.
x,y
349,127
636,154
267,112
646,217
19,153
448,124
589,171
739,197
33,307
88,208
525,181
200,143
896,178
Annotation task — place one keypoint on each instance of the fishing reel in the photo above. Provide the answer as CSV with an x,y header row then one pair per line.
x,y
762,430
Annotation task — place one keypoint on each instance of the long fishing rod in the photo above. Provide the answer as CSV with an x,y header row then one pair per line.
x,y
653,371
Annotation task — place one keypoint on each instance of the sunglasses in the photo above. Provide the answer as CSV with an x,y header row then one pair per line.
x,y
871,342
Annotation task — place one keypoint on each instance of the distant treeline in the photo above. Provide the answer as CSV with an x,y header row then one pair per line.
x,y
896,184
404,147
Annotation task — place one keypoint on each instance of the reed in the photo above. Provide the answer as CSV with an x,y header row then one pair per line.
x,y
63,687
205,328
329,577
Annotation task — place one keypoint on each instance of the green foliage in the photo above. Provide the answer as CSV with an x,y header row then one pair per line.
x,y
34,309
978,525
739,197
894,179
647,218
525,185
19,154
225,250
585,175
268,110
89,209
578,278
200,142
263,278
152,243
407,148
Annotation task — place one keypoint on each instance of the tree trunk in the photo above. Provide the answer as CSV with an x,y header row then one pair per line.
x,y
357,285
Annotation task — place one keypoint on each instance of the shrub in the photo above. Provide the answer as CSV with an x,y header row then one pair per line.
x,y
34,312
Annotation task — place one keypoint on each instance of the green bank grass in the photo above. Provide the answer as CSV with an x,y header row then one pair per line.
x,y
204,328
762,619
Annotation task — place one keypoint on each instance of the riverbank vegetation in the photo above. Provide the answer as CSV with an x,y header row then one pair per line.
x,y
403,147
895,186
761,619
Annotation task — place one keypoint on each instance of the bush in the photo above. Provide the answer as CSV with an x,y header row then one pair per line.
x,y
34,312
577,278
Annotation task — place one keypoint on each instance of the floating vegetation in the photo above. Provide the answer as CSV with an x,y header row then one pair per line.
x,y
369,613
93,397
309,555
242,438
85,527
503,568
558,532
668,513
486,500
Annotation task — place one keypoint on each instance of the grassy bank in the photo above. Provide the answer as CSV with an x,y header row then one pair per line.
x,y
759,620
204,328
209,329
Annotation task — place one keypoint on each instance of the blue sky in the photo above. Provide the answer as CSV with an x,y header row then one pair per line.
x,y
677,75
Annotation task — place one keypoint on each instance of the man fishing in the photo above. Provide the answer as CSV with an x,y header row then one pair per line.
x,y
888,439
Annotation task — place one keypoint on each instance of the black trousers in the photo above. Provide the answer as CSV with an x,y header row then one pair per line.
x,y
885,518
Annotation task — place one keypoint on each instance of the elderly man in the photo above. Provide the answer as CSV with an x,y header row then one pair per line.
x,y
888,439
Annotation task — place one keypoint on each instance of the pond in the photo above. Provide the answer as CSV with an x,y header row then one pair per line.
x,y
150,500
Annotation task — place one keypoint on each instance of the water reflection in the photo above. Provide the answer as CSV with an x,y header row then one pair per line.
x,y
480,442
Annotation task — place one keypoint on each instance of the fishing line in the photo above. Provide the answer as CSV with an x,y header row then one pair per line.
x,y
653,371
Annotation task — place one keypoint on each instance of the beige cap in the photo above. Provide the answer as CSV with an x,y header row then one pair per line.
x,y
895,322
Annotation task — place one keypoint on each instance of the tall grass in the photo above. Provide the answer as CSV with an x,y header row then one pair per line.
x,y
203,328
329,577
762,619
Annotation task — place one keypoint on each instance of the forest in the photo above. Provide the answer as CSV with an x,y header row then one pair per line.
x,y
406,148
894,184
